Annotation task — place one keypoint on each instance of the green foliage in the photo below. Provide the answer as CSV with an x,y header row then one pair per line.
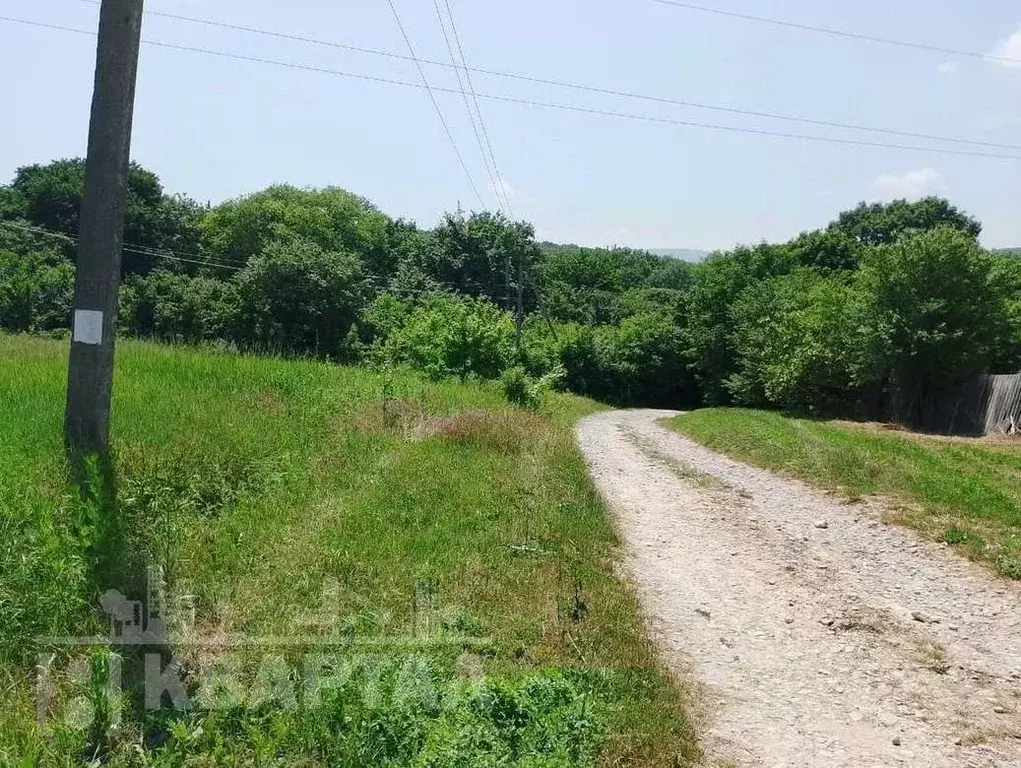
x,y
1005,275
830,249
272,478
176,307
415,718
482,254
516,389
934,312
528,392
297,298
332,219
645,358
799,344
36,291
640,360
710,329
450,336
885,223
590,285
49,196
323,272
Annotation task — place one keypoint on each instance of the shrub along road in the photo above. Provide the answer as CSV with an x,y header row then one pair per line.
x,y
818,635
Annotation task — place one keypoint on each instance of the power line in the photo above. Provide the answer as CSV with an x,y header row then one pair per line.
x,y
172,255
138,250
545,104
436,105
475,99
839,32
468,106
588,88
176,253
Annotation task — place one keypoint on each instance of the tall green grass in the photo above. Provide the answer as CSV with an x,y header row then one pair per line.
x,y
254,482
964,491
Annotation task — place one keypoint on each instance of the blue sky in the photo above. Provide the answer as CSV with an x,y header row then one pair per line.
x,y
218,128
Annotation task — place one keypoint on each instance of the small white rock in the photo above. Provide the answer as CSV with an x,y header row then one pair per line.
x,y
822,524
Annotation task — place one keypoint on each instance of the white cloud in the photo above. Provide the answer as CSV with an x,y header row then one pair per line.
x,y
1008,49
947,68
911,184
503,184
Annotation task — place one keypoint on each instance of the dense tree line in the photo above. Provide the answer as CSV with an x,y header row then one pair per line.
x,y
888,296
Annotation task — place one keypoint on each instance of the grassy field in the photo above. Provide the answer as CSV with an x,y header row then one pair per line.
x,y
963,491
299,499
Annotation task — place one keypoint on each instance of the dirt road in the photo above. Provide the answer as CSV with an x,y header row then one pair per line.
x,y
815,635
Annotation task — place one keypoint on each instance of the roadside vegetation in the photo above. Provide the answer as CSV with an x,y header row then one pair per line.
x,y
347,409
281,497
964,491
878,314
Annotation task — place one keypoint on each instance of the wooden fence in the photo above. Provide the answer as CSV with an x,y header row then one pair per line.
x,y
986,405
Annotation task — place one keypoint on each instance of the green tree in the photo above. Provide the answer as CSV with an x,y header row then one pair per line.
x,y
300,298
799,344
176,307
1006,277
333,219
884,223
934,310
36,291
645,358
49,196
586,285
481,254
710,326
831,249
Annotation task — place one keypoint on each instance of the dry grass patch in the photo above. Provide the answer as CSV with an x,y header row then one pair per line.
x,y
508,430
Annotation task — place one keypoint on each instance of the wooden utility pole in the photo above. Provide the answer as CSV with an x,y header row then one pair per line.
x,y
101,228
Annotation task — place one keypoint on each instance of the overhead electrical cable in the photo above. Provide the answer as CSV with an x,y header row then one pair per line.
x,y
583,87
468,107
436,104
544,104
475,99
841,32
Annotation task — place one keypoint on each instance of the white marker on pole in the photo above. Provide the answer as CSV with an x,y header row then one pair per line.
x,y
88,327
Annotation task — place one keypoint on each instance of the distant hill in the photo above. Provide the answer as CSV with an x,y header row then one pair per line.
x,y
1015,251
684,254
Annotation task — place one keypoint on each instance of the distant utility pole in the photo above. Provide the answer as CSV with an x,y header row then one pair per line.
x,y
520,318
101,228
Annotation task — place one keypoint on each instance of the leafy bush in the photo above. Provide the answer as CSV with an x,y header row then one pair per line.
x,y
300,298
528,392
798,344
448,336
177,307
641,360
36,291
516,387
